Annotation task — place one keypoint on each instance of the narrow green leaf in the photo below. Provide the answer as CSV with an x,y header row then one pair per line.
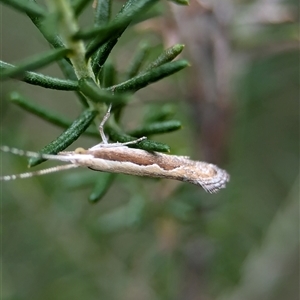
x,y
118,24
156,128
159,112
108,75
134,8
35,62
26,104
103,33
69,73
102,186
138,60
67,69
42,25
153,13
46,114
42,80
131,9
181,2
102,55
102,12
148,145
67,137
142,80
109,32
26,6
79,6
167,56
89,88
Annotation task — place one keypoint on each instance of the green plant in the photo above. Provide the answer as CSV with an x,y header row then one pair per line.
x,y
82,55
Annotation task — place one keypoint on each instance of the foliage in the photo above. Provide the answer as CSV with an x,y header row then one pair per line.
x,y
152,239
84,53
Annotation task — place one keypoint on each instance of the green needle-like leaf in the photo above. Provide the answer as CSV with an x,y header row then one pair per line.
x,y
45,114
67,137
131,10
42,80
69,73
104,34
35,62
144,79
102,186
101,56
79,6
107,75
102,12
159,112
167,56
89,88
138,60
156,128
42,25
181,2
148,145
26,6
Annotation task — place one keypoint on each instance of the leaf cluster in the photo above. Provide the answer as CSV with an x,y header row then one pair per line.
x,y
82,54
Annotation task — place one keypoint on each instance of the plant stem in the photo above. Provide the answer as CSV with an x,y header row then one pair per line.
x,y
68,27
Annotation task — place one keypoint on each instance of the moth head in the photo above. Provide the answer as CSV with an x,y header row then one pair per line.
x,y
80,150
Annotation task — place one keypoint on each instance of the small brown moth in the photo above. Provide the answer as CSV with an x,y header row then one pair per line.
x,y
118,158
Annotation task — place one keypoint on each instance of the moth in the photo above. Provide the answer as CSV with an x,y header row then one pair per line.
x,y
119,158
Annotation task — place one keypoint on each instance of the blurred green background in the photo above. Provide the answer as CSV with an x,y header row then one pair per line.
x,y
159,239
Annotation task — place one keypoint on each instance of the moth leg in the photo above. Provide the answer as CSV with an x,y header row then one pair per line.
x,y
101,126
112,145
133,142
105,143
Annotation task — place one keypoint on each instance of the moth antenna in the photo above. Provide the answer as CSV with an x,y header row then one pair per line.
x,y
23,152
37,173
33,154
